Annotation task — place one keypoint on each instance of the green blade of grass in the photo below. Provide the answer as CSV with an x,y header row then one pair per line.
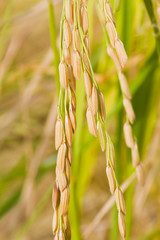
x,y
53,34
74,207
148,68
127,24
129,210
10,202
117,4
118,171
47,165
150,10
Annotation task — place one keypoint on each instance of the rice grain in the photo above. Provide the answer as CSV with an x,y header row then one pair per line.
x,y
91,123
58,133
63,74
64,201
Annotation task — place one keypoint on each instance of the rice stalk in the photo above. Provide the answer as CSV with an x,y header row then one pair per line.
x,y
66,120
75,56
53,35
96,114
120,58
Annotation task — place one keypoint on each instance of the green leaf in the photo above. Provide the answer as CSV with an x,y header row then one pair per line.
x,y
53,34
10,202
150,10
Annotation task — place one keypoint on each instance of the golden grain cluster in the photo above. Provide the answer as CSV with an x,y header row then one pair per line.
x,y
119,57
75,58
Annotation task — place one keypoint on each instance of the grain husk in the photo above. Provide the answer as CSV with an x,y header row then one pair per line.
x,y
85,2
65,221
61,156
140,174
58,133
64,201
111,32
67,33
76,40
129,110
91,123
68,171
128,135
110,153
76,65
110,12
121,52
114,57
87,43
72,97
61,235
121,223
135,156
72,80
86,62
111,179
68,130
101,136
70,155
124,85
68,9
68,232
61,179
67,55
102,106
72,116
120,201
55,196
56,236
89,101
55,222
84,19
87,83
63,74
94,100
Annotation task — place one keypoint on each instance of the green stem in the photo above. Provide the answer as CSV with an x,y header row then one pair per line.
x,y
114,224
53,35
129,207
117,4
10,202
62,92
100,14
150,10
148,68
75,206
61,30
74,212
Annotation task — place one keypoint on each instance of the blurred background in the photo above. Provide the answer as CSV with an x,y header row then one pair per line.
x,y
28,108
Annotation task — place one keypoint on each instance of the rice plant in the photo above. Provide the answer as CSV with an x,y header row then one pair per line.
x,y
79,119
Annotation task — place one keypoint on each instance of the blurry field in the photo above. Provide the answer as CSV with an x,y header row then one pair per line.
x,y
28,108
